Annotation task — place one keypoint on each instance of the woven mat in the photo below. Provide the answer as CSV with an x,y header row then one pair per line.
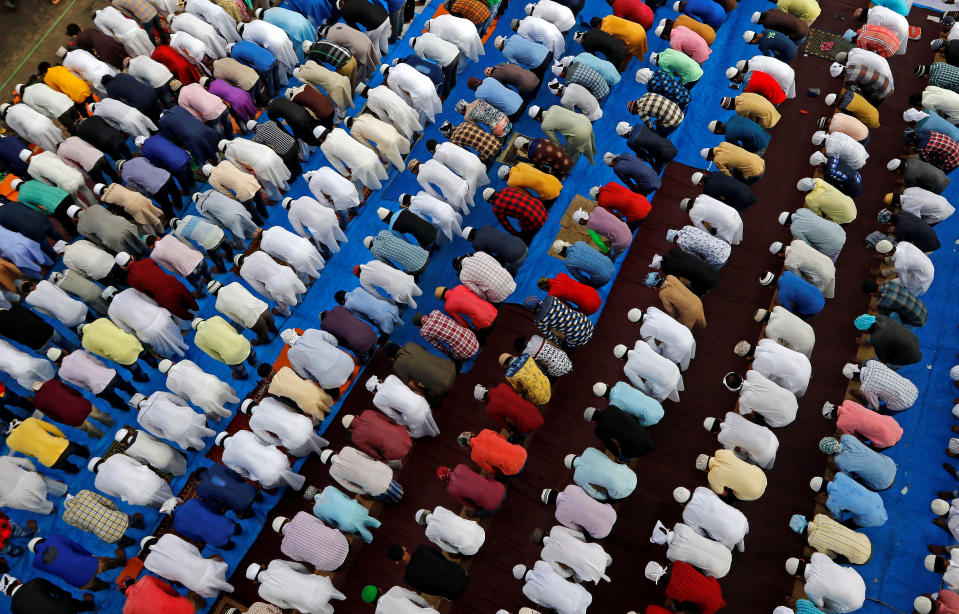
x,y
825,45
570,231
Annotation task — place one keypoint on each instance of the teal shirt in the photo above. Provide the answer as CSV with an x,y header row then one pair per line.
x,y
40,196
593,468
680,65
347,514
603,67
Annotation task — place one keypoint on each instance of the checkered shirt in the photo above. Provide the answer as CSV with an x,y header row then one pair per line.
x,y
142,10
471,136
703,245
486,277
664,111
272,135
476,11
394,251
880,383
665,84
555,361
878,39
562,324
482,112
871,83
457,342
941,151
92,512
330,53
899,299
945,76
588,78
528,210
549,157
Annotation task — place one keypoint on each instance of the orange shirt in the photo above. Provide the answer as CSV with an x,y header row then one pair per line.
x,y
61,79
492,453
528,177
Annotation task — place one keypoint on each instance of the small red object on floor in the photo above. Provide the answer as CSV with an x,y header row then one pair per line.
x,y
804,111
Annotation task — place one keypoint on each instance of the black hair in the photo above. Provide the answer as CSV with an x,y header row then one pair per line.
x,y
340,297
73,29
395,552
264,369
391,349
43,67
431,145
869,286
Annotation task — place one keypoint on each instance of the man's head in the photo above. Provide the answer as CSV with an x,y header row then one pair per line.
x,y
864,322
499,42
795,567
536,113
733,381
398,554
830,446
392,350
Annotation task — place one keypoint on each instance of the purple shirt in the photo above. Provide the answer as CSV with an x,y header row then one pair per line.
x,y
307,540
352,332
578,511
240,101
604,223
140,174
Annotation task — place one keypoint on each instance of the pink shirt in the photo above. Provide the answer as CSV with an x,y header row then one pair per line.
x,y
173,254
307,540
79,153
847,124
578,511
854,419
86,371
200,103
683,39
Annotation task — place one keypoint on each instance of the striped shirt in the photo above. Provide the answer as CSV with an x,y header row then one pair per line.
x,y
196,229
457,342
882,385
397,252
330,53
878,39
872,83
272,135
827,536
94,513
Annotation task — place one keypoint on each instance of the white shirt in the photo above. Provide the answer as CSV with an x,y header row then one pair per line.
x,y
464,163
459,31
388,105
396,400
307,214
156,454
25,368
774,403
951,576
573,557
278,425
200,30
438,212
399,600
88,67
264,162
942,101
226,212
914,268
125,118
453,533
577,98
84,257
291,586
788,329
888,18
780,71
359,473
21,487
543,586
149,71
275,281
190,47
112,22
711,557
351,158
131,481
169,417
557,14
931,207
846,148
214,15
431,47
653,374
757,442
416,88
179,561
709,515
786,367
315,355
721,217
204,390
448,185
51,170
54,302
400,286
293,249
325,183
812,265
668,337
85,370
244,453
33,127
137,313
274,39
46,100
543,32
833,587
236,303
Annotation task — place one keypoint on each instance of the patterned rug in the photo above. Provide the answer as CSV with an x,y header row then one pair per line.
x,y
825,45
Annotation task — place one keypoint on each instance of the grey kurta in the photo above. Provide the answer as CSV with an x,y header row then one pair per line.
x,y
576,127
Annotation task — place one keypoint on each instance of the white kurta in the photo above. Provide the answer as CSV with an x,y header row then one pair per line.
x,y
573,557
89,68
135,40
293,249
274,39
757,444
275,281
26,369
765,397
47,167
156,454
833,587
459,31
579,99
191,48
328,185
179,561
265,163
396,400
438,212
652,374
711,557
453,533
712,517
416,88
137,313
431,47
464,163
382,136
291,586
309,215
914,268
47,101
167,416
780,71
788,329
227,212
931,207
51,301
557,14
400,286
668,337
543,32
543,586
33,127
149,71
351,159
23,488
278,425
124,118
786,367
389,106
132,482
206,391
846,148
240,306
360,474
200,30
719,216
440,182
244,453
214,15
315,355
813,266
399,600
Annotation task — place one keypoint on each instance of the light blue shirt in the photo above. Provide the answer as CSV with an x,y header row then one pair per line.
x,y
849,498
936,123
523,51
634,402
345,513
384,314
593,468
876,471
826,236
589,266
603,67
296,26
23,252
500,96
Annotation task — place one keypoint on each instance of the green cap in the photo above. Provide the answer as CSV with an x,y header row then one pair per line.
x,y
369,593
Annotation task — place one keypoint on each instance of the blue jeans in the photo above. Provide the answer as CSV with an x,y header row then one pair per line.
x,y
16,531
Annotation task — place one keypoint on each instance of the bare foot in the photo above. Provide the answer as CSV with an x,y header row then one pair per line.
x,y
32,525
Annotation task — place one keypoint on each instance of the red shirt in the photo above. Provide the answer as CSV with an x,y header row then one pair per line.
x,y
62,403
656,609
379,436
460,302
151,595
767,87
511,411
5,529
634,10
623,202
492,453
146,276
687,584
473,490
183,71
584,298
948,602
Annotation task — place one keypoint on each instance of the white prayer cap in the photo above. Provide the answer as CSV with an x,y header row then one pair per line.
x,y
147,541
815,484
954,373
286,202
806,184
499,41
922,604
623,128
558,246
554,85
165,365
955,411
766,278
850,369
24,155
939,507
519,571
139,141
246,407
893,164
122,434
599,389
709,423
325,456
654,571
827,409
755,17
817,158
704,152
252,571
4,107
748,36
219,438
251,124
372,383
643,75
62,51
502,171
347,420
594,191
784,217
775,246
420,516
588,414
479,392
702,462
568,460
913,115
760,314
884,246
136,399
289,336
609,158
783,610
72,210
681,494
835,69
711,126
731,72
382,213
306,46
792,565
656,262
684,204
318,131
488,194
368,242
743,348
195,323
278,523
222,145
676,5
18,88
930,562
653,59
32,544
534,111
580,215
634,315
620,350
93,463
384,68
818,137
54,354
529,8
468,229
697,177
830,99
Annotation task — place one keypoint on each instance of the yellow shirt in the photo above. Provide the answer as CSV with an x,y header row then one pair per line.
x,y
860,108
807,10
61,79
727,157
528,177
310,398
700,28
831,538
627,31
827,201
757,108
530,383
726,471
104,338
38,439
220,341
